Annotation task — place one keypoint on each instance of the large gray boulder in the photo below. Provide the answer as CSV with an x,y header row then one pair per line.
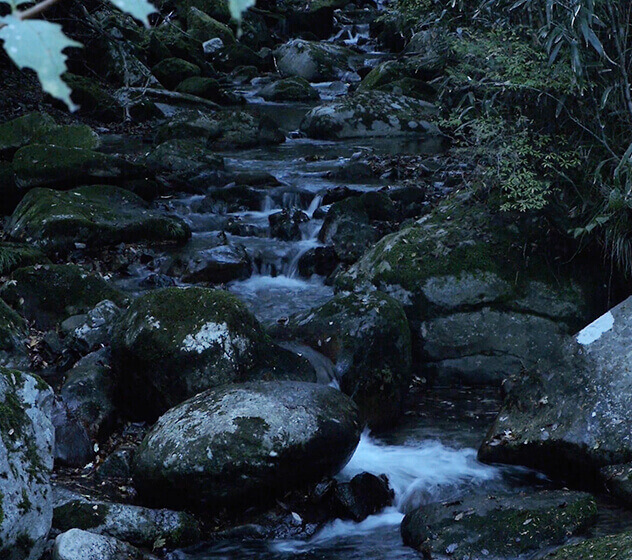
x,y
481,309
238,444
26,461
173,343
500,526
371,114
314,61
572,419
367,338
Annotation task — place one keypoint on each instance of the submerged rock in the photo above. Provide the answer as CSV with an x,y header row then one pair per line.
x,y
239,444
371,114
572,419
367,337
173,343
94,216
289,89
26,461
364,495
500,526
313,61
48,294
82,545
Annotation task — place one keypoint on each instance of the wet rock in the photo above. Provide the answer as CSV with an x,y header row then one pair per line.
x,y
82,545
13,335
217,9
93,216
26,451
367,337
73,446
232,57
205,338
171,40
618,481
614,547
171,71
203,27
241,130
48,294
571,419
217,265
265,437
451,270
133,524
352,225
90,332
206,88
88,392
499,526
320,260
228,199
371,114
186,164
364,495
289,89
55,166
93,99
285,225
313,61
186,125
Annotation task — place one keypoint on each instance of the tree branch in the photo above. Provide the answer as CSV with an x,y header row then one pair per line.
x,y
35,11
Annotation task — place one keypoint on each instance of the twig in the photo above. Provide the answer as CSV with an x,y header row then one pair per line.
x,y
34,11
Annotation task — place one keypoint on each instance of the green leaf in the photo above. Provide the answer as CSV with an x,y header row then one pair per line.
x,y
38,45
238,7
138,9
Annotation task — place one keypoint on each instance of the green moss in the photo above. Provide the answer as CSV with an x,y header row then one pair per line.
x,y
25,503
615,547
72,136
171,71
24,130
203,27
96,215
79,515
18,255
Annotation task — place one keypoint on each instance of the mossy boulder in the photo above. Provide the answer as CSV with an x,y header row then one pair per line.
x,y
18,255
613,547
136,525
81,545
206,88
71,136
237,445
95,216
10,194
173,343
241,130
186,164
48,294
24,130
171,40
481,308
356,223
93,99
371,114
289,89
203,27
40,165
13,330
314,61
367,338
171,71
233,56
217,9
499,526
26,451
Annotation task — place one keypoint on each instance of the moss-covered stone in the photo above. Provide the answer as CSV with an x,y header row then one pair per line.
x,y
203,27
171,71
38,165
13,329
240,444
93,98
312,60
24,130
48,294
241,130
373,113
95,216
368,339
290,89
71,136
18,255
614,547
217,9
504,526
170,40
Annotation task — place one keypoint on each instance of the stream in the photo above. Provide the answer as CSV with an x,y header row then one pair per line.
x,y
431,455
